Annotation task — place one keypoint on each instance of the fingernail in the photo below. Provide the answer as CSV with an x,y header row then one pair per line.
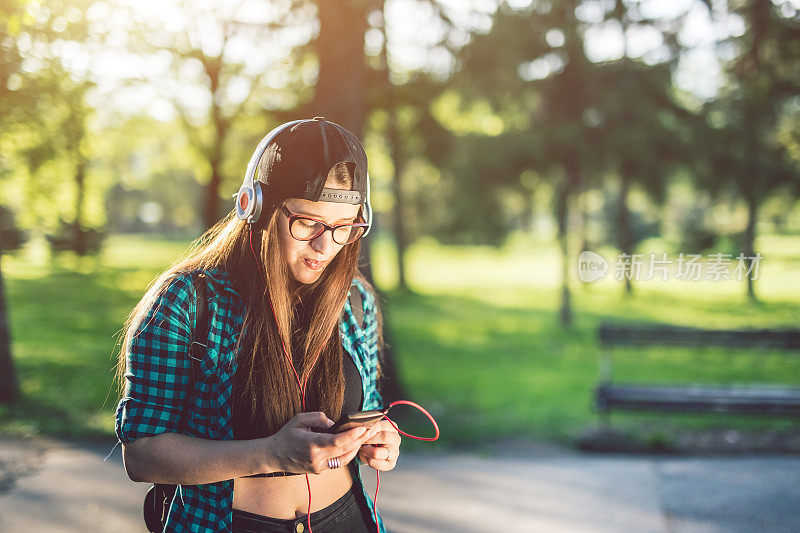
x,y
361,431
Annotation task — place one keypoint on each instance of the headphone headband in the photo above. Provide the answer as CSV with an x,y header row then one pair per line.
x,y
250,200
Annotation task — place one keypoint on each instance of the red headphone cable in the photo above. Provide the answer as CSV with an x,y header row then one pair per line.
x,y
302,387
394,425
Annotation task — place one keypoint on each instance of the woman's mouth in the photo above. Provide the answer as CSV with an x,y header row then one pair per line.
x,y
314,265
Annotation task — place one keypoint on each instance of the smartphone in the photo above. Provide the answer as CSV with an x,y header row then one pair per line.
x,y
354,420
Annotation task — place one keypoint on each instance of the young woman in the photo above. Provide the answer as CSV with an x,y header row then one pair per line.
x,y
285,354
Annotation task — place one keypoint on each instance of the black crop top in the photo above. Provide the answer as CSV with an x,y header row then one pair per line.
x,y
245,428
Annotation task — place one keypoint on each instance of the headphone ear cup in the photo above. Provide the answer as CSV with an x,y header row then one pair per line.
x,y
249,202
258,201
244,202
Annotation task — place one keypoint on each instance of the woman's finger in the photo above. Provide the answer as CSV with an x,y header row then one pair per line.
x,y
347,444
340,441
314,419
383,425
385,437
380,453
378,464
346,438
344,459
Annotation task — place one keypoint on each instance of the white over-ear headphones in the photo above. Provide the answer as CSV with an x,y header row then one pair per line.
x,y
250,200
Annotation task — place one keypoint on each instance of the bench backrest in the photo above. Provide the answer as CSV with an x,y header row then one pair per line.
x,y
663,335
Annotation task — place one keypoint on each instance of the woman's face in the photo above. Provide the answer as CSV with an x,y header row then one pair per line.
x,y
308,259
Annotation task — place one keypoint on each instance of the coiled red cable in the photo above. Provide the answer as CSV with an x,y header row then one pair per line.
x,y
302,386
394,425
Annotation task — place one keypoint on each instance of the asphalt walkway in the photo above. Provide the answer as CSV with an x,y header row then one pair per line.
x,y
68,487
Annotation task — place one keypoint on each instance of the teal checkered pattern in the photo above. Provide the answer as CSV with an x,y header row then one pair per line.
x,y
159,381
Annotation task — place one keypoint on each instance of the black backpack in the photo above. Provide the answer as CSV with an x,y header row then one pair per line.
x,y
159,497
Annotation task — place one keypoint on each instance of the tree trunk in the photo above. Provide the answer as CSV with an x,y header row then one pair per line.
x,y
341,91
221,127
749,241
562,211
528,212
398,164
80,184
341,96
393,140
211,211
8,377
583,232
625,235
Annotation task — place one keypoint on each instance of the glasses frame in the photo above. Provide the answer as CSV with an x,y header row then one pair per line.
x,y
325,227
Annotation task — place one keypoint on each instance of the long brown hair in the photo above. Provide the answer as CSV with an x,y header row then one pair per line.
x,y
270,386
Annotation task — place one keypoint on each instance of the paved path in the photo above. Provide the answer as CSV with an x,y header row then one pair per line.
x,y
73,489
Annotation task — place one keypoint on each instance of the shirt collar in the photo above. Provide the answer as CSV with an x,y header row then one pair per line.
x,y
222,285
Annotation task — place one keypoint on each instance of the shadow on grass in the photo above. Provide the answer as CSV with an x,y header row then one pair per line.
x,y
64,328
493,372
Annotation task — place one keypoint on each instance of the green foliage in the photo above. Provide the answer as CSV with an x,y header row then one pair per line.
x,y
44,114
525,98
743,148
572,121
72,237
643,224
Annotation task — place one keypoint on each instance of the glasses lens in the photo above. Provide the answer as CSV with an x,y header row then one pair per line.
x,y
305,229
347,234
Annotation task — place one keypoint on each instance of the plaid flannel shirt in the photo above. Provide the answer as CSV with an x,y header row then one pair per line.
x,y
159,379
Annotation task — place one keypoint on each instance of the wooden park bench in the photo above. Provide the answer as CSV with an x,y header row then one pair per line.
x,y
750,399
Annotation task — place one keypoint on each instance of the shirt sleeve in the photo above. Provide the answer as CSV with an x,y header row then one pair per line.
x,y
157,365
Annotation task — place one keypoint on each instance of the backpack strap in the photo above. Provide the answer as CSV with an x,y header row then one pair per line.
x,y
159,497
201,324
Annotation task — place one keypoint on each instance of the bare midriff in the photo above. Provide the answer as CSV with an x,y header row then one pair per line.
x,y
287,497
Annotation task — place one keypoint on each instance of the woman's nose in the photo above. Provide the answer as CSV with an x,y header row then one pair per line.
x,y
324,243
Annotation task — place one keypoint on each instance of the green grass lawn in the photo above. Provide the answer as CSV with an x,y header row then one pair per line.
x,y
478,342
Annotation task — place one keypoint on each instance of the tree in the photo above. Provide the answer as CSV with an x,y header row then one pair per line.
x,y
745,152
577,119
63,113
402,102
43,119
540,85
340,95
210,49
349,88
11,16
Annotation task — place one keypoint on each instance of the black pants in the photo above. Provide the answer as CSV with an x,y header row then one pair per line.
x,y
348,514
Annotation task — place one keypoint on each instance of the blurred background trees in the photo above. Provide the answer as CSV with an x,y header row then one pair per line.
x,y
591,123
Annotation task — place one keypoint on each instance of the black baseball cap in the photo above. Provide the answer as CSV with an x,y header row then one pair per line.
x,y
297,161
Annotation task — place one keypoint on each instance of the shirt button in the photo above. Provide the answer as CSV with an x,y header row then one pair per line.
x,y
299,527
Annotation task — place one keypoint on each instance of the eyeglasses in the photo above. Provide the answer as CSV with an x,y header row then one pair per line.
x,y
305,228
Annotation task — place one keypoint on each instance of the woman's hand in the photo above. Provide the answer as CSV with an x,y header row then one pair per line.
x,y
381,451
296,447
